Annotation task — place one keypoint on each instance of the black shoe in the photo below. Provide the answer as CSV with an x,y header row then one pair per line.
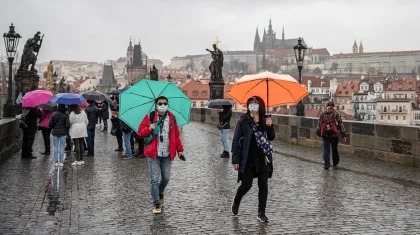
x,y
262,218
235,206
326,167
140,156
29,157
225,155
336,163
119,150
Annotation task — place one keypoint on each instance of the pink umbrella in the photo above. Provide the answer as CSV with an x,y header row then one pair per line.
x,y
36,98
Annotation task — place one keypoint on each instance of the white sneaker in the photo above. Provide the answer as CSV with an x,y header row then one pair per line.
x,y
56,164
60,164
75,163
81,163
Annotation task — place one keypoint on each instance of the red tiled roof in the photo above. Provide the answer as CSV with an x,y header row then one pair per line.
x,y
400,84
377,53
319,51
347,88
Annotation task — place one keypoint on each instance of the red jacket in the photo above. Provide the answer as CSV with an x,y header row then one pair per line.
x,y
175,144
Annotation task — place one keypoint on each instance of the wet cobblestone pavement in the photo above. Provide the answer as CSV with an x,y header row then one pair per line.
x,y
111,196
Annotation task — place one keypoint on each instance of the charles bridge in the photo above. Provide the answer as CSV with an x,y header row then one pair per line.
x,y
368,194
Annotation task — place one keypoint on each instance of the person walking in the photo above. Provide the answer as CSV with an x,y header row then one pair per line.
x,y
78,132
59,123
162,149
29,117
224,127
98,105
105,115
330,127
128,140
46,130
116,130
92,115
252,154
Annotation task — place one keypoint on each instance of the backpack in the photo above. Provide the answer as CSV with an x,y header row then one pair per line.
x,y
328,125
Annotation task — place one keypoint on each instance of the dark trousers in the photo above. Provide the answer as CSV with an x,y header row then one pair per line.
x,y
141,145
46,133
119,140
79,147
27,143
246,183
84,144
105,123
91,141
331,142
68,142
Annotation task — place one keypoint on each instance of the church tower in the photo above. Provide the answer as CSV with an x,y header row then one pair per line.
x,y
361,47
257,42
129,58
269,38
355,48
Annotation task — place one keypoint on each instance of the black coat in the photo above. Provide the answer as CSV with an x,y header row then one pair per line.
x,y
224,118
59,123
105,110
31,119
116,125
241,141
92,115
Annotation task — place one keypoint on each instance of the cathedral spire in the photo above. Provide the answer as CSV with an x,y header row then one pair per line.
x,y
270,28
355,47
257,41
264,31
361,47
130,45
282,34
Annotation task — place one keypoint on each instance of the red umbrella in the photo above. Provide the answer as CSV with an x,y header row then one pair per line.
x,y
84,105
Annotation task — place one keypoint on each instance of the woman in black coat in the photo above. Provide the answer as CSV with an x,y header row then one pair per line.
x,y
248,157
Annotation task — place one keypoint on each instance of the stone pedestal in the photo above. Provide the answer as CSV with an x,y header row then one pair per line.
x,y
217,90
25,81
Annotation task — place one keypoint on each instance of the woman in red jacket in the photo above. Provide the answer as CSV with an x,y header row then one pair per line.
x,y
162,149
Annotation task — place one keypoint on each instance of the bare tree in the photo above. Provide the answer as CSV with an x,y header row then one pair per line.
x,y
334,67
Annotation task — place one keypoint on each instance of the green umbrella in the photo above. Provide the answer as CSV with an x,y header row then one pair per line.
x,y
139,100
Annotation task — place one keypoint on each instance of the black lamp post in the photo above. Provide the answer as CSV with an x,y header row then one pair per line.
x,y
169,78
11,42
300,51
55,75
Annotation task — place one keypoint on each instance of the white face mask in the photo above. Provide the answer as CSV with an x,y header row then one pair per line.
x,y
254,108
162,108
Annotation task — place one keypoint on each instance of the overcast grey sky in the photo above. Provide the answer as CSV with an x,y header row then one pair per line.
x,y
97,30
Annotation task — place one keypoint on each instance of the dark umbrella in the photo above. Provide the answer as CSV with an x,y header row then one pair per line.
x,y
118,91
217,103
49,106
97,96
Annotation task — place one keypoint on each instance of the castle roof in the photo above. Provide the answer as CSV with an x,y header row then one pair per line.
x,y
137,56
108,74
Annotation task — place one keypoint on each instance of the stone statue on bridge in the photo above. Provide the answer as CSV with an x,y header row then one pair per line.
x,y
217,64
154,73
48,76
30,52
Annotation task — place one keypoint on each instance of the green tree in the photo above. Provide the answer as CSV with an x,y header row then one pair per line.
x,y
334,67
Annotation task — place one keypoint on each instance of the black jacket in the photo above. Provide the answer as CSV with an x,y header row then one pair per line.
x,y
59,123
241,140
105,110
31,119
224,118
92,115
116,125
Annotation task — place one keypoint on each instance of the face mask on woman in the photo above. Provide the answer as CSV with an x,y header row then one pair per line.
x,y
253,108
162,108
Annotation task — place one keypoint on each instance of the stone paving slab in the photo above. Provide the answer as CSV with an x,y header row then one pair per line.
x,y
111,196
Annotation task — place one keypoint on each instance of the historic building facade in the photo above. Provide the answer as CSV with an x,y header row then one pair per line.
x,y
136,67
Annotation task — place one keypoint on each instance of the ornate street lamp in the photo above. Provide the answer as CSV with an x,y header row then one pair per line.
x,y
11,42
169,78
300,51
55,75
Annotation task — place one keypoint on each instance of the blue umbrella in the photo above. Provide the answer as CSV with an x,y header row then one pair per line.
x,y
68,99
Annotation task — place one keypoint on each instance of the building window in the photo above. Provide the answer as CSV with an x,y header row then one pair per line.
x,y
404,118
400,109
384,109
202,104
342,107
382,117
194,104
399,85
410,85
195,93
203,93
389,117
362,107
373,107
389,85
396,117
412,96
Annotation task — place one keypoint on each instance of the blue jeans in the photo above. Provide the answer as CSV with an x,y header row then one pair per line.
x,y
91,141
59,143
333,142
162,164
224,137
127,143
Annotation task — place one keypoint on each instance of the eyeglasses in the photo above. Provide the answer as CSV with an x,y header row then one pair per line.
x,y
160,104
